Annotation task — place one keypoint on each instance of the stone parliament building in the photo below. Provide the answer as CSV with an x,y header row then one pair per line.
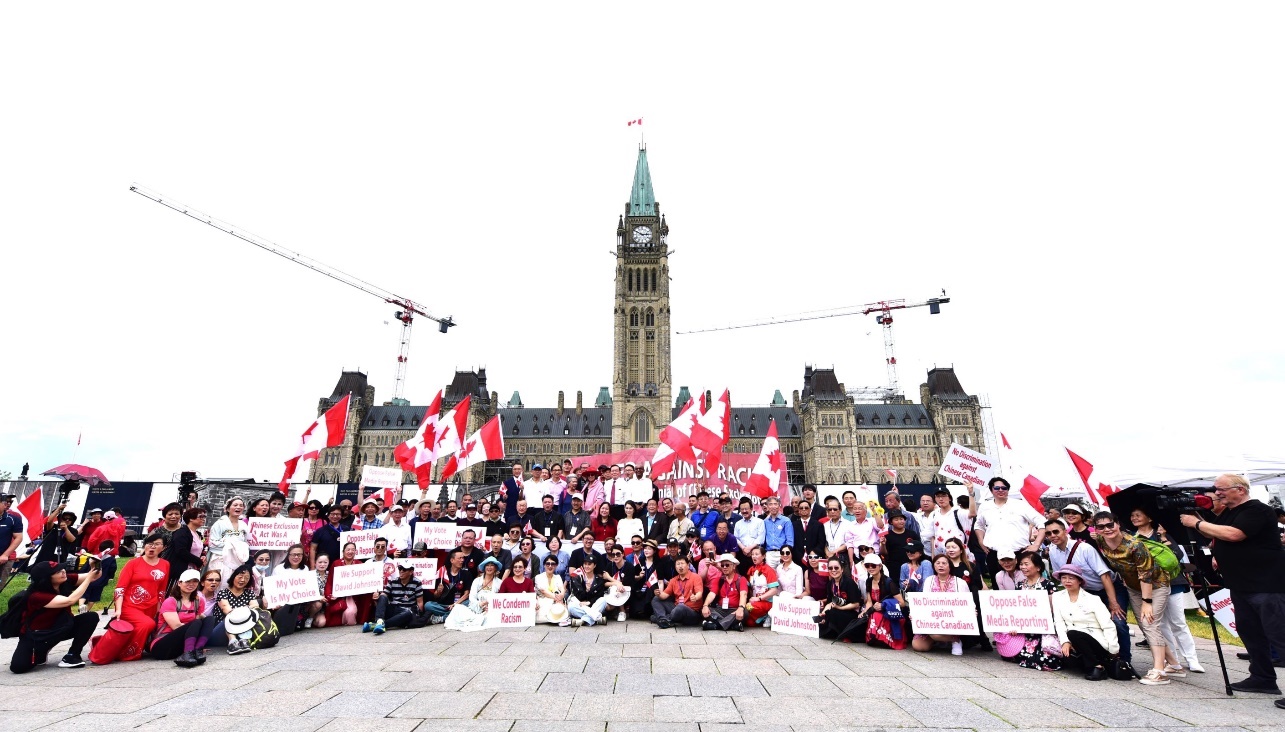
x,y
827,434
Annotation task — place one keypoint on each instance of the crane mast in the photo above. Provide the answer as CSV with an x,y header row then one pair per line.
x,y
407,309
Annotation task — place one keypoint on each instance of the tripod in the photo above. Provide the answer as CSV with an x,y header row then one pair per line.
x,y
1193,551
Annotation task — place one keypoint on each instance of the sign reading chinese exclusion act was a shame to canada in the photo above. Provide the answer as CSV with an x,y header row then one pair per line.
x,y
513,610
356,579
793,616
943,613
967,466
290,587
274,533
1016,611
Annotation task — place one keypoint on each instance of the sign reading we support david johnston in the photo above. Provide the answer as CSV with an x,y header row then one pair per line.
x,y
357,579
1016,611
793,616
511,610
943,613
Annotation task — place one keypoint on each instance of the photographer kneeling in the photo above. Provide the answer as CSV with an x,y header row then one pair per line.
x,y
1246,545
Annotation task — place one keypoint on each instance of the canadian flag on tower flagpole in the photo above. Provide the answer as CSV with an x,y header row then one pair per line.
x,y
676,440
485,444
712,431
765,479
327,431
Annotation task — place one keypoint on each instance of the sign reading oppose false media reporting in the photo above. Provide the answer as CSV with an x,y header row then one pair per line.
x,y
942,613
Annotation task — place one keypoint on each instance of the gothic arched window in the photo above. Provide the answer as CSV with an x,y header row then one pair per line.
x,y
651,318
633,318
631,280
642,428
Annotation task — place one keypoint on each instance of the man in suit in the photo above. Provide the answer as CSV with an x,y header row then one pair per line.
x,y
655,524
510,492
809,534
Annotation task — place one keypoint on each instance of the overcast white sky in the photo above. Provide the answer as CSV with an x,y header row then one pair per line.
x,y
1097,186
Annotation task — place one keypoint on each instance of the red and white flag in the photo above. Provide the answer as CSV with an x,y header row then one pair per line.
x,y
712,431
1031,490
1084,468
485,444
765,479
451,428
416,454
32,510
633,122
892,474
676,440
327,431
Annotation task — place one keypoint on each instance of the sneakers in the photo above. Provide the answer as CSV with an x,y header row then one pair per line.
x,y
621,617
1154,677
1175,672
739,627
1096,674
1255,687
564,623
663,623
577,622
199,655
437,620
957,648
307,623
186,660
767,621
709,625
367,627
71,660
379,627
237,647
1194,666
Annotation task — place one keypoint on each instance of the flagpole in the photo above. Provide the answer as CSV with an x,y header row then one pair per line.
x,y
76,451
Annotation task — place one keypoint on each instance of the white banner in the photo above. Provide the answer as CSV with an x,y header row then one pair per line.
x,y
866,494
357,579
425,571
363,538
943,613
1224,611
967,466
445,535
511,610
275,533
1016,611
793,616
376,477
290,587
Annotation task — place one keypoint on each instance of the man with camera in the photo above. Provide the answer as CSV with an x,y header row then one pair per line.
x,y
1249,555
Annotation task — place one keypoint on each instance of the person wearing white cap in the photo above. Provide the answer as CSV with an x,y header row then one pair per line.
x,y
400,603
369,518
397,531
1074,516
1083,624
725,603
184,629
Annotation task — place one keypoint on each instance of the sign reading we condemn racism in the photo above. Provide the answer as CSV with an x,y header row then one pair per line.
x,y
274,533
967,466
793,616
363,538
1016,611
290,587
511,610
943,613
357,579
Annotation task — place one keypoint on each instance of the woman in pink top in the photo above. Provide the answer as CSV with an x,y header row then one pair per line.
x,y
183,629
941,581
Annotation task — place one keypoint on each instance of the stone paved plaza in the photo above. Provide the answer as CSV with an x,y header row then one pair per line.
x,y
628,677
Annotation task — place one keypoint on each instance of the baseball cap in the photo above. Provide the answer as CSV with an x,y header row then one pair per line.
x,y
95,510
369,501
537,466
1005,554
109,515
7,496
189,575
471,507
399,507
420,546
405,564
1074,507
871,559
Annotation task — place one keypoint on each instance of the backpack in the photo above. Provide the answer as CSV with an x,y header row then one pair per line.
x,y
13,620
265,633
1163,557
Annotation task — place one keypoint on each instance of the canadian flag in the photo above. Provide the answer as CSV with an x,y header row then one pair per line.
x,y
1032,489
32,509
633,122
327,431
676,439
417,455
765,479
451,428
1103,491
891,474
485,444
712,431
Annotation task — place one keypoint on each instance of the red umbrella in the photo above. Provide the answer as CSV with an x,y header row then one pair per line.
x,y
92,476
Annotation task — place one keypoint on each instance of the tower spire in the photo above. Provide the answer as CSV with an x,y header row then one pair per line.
x,y
642,199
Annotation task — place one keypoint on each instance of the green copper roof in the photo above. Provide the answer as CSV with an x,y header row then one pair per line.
x,y
777,399
683,396
515,400
604,398
642,199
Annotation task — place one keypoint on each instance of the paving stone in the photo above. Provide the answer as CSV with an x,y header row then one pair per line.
x,y
99,698
201,702
547,664
587,683
859,687
366,680
691,666
1044,686
800,686
548,707
198,722
444,705
103,722
694,709
949,713
761,651
1118,712
24,721
612,666
749,667
465,725
751,727
535,649
950,689
370,724
611,707
654,651
505,682
883,667
708,651
653,727
1214,712
581,725
360,704
431,682
594,649
489,649
737,686
824,667
1025,714
654,684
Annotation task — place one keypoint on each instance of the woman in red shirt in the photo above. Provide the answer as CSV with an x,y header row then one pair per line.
x,y
603,525
48,620
524,584
139,592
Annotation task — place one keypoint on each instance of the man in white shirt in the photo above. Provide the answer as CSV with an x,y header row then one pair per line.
x,y
750,532
614,493
397,531
533,489
862,530
836,532
1005,524
636,488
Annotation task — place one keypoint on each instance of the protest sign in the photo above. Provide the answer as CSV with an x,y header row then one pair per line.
x,y
967,466
445,535
274,533
1016,611
290,587
376,477
511,610
425,571
793,616
1224,612
357,579
943,613
688,479
363,538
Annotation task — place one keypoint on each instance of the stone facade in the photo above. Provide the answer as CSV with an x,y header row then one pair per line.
x,y
827,435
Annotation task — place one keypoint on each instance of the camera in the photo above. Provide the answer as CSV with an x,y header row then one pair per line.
x,y
818,618
1181,500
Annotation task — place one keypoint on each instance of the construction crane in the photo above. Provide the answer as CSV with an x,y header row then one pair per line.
x,y
883,316
407,309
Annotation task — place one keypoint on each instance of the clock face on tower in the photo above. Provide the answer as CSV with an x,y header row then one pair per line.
x,y
642,234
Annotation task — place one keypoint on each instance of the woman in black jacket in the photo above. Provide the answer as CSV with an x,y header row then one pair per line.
x,y
186,545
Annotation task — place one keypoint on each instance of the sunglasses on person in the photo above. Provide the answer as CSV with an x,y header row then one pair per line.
x,y
1106,525
636,542
786,552
1054,532
836,568
617,554
833,509
1000,488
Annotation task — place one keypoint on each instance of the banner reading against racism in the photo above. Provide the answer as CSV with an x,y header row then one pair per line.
x,y
425,571
356,579
687,479
275,533
511,610
290,587
363,538
943,613
793,616
1016,611
967,466
373,476
1224,612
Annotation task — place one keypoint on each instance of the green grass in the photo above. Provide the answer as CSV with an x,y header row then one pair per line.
x,y
1200,628
19,583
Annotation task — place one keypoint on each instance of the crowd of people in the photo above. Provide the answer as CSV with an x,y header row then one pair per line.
x,y
602,548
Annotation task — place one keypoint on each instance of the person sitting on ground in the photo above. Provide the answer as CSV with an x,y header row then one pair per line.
x,y
453,586
679,601
963,567
792,577
292,617
518,580
1038,651
764,585
47,620
724,607
1008,575
620,577
400,603
320,610
884,607
551,593
472,615
210,581
139,591
184,629
841,616
361,606
239,592
1084,625
587,598
942,581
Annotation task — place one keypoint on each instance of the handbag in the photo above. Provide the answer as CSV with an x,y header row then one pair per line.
x,y
1121,670
112,645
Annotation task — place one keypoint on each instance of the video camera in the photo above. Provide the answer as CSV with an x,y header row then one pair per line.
x,y
65,489
187,487
1181,500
